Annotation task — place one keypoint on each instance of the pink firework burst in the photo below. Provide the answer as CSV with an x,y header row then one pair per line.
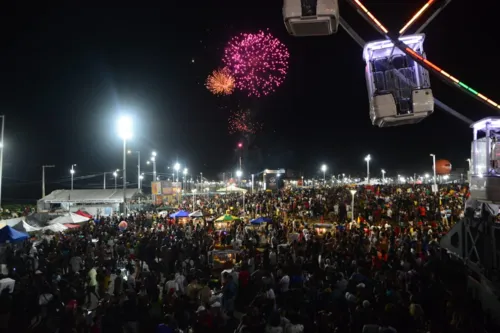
x,y
258,62
241,122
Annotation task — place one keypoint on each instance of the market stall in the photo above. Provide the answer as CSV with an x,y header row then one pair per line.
x,y
222,259
181,217
321,229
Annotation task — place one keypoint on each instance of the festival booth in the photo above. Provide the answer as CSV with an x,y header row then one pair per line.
x,y
70,218
225,222
84,214
181,217
11,235
197,217
322,228
222,259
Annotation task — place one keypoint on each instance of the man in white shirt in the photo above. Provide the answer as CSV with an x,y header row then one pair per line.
x,y
92,285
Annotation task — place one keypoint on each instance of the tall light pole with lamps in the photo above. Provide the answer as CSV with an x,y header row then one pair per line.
x,y
323,168
353,193
194,198
115,174
184,178
177,167
383,176
43,177
138,167
125,133
239,173
434,170
72,172
368,158
153,160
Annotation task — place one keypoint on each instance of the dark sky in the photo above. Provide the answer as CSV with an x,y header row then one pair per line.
x,y
69,72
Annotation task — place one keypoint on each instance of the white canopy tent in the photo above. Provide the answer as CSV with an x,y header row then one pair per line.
x,y
232,188
28,228
57,227
69,218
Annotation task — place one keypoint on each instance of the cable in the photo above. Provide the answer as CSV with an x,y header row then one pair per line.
x,y
444,76
437,102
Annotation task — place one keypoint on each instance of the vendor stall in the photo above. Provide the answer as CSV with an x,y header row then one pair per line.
x,y
225,222
322,228
223,259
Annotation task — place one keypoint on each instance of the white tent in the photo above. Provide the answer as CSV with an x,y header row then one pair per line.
x,y
232,188
69,218
57,227
196,214
28,228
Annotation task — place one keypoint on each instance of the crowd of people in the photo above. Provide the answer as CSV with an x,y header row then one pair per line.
x,y
382,271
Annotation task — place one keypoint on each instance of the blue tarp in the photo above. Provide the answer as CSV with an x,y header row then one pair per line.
x,y
11,235
180,213
261,220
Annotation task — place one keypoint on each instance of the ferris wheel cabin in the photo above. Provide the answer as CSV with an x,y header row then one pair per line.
x,y
311,17
399,89
485,161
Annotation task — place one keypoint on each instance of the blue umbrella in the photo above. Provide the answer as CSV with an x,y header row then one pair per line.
x,y
180,213
261,220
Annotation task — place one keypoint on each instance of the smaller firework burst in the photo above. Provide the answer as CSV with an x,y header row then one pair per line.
x,y
220,82
241,122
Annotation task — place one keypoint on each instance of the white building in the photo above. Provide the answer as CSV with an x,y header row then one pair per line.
x,y
95,202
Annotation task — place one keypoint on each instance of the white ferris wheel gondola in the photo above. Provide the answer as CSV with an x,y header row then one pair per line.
x,y
311,17
399,89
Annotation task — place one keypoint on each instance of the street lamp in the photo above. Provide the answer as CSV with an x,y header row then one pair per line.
x,y
153,160
43,177
383,176
323,168
138,167
184,178
368,159
177,167
115,174
124,128
353,192
194,198
72,172
434,169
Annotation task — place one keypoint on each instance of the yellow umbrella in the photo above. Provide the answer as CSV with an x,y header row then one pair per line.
x,y
227,218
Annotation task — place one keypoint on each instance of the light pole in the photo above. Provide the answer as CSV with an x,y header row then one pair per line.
x,y
184,179
194,198
1,156
434,167
72,171
153,159
383,176
240,148
43,177
177,167
141,177
368,159
138,167
115,174
125,133
353,193
323,168
239,173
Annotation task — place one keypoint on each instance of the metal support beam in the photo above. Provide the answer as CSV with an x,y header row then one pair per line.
x,y
433,16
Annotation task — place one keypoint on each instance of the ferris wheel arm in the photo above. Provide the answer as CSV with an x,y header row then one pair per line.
x,y
433,16
360,41
444,76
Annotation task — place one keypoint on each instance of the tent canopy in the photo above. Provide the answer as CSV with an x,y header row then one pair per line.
x,y
25,227
13,236
83,213
232,188
56,227
69,218
196,214
180,213
227,218
261,220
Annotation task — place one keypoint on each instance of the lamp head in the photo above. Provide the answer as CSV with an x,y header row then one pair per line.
x,y
124,128
368,158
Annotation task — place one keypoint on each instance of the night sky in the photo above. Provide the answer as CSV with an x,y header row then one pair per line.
x,y
68,73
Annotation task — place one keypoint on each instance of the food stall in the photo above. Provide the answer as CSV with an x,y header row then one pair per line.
x,y
224,222
181,217
222,259
322,228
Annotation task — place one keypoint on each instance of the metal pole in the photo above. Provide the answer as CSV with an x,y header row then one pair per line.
x,y
154,169
43,181
139,170
105,180
434,167
124,178
1,157
244,210
368,171
116,186
72,173
252,182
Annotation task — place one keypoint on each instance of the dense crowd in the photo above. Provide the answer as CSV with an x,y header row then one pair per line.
x,y
382,273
